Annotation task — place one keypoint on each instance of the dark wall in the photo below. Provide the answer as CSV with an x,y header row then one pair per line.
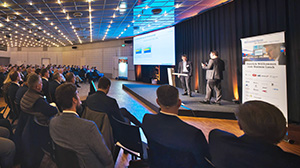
x,y
222,28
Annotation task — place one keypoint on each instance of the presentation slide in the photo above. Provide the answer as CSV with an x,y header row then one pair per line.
x,y
155,48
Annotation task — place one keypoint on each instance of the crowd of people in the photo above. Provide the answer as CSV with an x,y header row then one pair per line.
x,y
49,111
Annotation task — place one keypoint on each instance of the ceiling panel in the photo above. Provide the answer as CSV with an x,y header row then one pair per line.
x,y
40,23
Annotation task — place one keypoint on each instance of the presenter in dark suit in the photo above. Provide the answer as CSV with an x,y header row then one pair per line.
x,y
185,67
214,75
264,126
170,131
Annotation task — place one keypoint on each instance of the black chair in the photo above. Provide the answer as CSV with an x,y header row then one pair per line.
x,y
128,138
170,157
13,112
65,158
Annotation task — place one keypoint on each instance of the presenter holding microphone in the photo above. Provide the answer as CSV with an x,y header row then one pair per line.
x,y
214,75
185,67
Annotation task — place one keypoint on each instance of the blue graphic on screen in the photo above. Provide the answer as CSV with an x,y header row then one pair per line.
x,y
155,48
147,50
138,51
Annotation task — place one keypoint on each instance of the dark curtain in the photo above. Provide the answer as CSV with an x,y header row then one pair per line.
x,y
222,28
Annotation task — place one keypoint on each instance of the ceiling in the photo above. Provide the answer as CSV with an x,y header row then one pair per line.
x,y
54,23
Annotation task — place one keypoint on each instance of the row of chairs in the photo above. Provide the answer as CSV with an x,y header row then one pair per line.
x,y
14,109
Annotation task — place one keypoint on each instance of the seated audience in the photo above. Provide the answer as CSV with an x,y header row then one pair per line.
x,y
99,101
12,91
7,149
264,126
168,130
72,132
45,79
70,77
35,136
56,81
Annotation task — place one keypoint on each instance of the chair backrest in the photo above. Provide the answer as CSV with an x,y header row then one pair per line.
x,y
169,157
65,158
128,136
102,121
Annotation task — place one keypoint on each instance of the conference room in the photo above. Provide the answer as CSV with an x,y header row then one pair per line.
x,y
158,83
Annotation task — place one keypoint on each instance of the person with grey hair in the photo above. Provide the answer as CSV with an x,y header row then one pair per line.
x,y
264,126
35,135
168,130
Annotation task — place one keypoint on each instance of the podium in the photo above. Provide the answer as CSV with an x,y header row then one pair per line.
x,y
171,76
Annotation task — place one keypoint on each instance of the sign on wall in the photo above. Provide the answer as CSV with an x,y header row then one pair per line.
x,y
264,70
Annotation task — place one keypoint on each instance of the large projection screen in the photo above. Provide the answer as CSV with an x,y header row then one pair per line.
x,y
155,48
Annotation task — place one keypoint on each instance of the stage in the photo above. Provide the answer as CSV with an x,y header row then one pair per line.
x,y
190,105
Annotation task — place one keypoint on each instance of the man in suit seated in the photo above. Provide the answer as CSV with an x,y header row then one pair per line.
x,y
99,101
37,113
56,81
80,135
264,126
45,78
12,91
169,130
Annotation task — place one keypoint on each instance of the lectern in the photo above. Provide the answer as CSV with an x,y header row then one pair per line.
x,y
171,76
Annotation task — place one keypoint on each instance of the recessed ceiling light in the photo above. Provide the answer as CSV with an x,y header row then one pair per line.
x,y
5,4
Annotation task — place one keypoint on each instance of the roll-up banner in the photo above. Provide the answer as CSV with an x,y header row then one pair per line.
x,y
264,70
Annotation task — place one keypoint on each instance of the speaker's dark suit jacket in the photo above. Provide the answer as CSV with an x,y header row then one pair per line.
x,y
52,87
99,101
46,89
170,131
214,69
83,137
229,151
189,67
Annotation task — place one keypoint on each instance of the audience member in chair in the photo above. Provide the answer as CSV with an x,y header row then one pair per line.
x,y
264,126
45,78
168,130
12,90
56,81
7,149
72,132
99,101
35,136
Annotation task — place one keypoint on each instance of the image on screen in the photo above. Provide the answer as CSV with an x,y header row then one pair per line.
x,y
155,48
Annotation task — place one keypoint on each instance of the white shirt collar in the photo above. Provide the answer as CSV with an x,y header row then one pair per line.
x,y
45,78
17,83
57,81
69,111
166,113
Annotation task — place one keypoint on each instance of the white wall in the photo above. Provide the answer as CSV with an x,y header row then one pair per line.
x,y
103,55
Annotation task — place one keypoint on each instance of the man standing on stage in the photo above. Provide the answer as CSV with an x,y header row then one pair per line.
x,y
214,75
185,67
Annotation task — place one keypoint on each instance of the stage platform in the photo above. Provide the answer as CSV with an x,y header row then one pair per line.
x,y
191,105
